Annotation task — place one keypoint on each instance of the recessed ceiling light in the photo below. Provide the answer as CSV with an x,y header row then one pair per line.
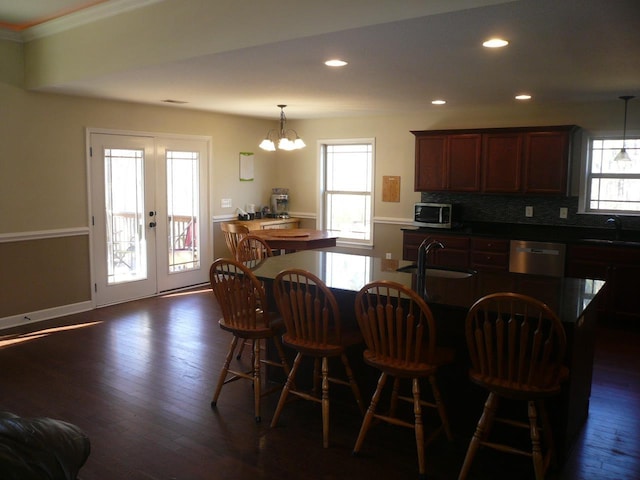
x,y
523,96
335,63
438,102
495,43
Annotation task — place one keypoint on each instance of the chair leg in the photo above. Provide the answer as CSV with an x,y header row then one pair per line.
x,y
317,377
419,428
395,393
550,458
256,379
223,372
325,402
484,424
285,390
281,355
352,382
442,411
536,450
366,422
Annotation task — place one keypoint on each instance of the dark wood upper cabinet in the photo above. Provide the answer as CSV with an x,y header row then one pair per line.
x,y
463,169
523,160
447,162
546,161
430,175
502,162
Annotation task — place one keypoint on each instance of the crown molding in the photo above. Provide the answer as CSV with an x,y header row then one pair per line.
x,y
10,35
82,17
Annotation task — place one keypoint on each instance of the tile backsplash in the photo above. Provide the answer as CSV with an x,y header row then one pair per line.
x,y
476,207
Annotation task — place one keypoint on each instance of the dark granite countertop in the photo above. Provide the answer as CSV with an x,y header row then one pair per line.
x,y
542,233
346,274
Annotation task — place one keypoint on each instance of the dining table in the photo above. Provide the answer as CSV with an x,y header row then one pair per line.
x,y
294,239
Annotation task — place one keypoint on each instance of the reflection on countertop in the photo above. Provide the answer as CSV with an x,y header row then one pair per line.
x,y
569,297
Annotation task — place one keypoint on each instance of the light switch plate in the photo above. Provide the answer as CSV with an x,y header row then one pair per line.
x,y
528,211
563,212
225,203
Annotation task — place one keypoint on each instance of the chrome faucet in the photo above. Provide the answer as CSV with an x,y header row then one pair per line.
x,y
617,223
423,252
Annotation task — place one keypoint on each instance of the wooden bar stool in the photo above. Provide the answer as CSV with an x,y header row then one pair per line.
x,y
233,233
399,331
313,329
243,303
517,347
251,247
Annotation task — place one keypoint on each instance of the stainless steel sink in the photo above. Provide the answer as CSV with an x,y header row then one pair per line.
x,y
438,272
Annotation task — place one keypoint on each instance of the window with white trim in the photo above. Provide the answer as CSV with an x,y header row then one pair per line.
x,y
612,186
347,174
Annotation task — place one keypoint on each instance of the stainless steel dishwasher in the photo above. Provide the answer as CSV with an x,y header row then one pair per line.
x,y
537,258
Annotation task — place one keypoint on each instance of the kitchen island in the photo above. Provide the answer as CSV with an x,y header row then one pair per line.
x,y
573,299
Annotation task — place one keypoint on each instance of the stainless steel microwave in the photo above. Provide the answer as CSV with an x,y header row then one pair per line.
x,y
433,215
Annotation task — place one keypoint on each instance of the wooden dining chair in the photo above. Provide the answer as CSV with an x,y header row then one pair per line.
x,y
233,232
400,335
516,345
251,247
243,302
313,328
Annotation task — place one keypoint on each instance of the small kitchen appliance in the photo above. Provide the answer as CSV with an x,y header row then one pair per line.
x,y
433,215
280,202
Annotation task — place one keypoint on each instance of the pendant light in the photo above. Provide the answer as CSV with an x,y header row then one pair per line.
x,y
286,139
622,155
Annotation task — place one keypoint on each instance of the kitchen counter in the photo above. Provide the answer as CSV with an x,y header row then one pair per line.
x,y
569,297
449,298
270,223
544,233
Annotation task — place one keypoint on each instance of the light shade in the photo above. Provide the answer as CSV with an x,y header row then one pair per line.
x,y
622,155
283,138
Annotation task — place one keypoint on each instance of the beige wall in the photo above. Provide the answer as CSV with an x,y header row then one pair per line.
x,y
43,176
395,150
43,166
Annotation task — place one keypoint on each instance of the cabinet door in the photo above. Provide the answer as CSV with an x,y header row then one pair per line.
x,y
501,162
448,162
430,167
455,253
546,158
463,165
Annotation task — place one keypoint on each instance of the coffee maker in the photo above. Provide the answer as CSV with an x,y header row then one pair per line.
x,y
280,202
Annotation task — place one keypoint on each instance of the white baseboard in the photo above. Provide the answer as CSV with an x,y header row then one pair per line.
x,y
47,314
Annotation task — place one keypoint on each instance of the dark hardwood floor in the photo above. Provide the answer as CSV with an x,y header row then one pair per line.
x,y
139,377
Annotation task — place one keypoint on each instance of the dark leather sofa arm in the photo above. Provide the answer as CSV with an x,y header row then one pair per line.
x,y
41,448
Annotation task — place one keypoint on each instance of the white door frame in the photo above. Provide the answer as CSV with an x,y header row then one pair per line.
x,y
206,246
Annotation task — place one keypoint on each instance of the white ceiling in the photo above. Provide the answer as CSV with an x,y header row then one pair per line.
x,y
560,51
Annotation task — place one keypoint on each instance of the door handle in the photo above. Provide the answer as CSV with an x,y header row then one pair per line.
x,y
152,224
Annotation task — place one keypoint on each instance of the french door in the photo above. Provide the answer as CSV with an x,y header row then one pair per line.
x,y
149,211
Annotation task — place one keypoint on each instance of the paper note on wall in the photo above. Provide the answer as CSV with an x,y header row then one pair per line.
x,y
246,166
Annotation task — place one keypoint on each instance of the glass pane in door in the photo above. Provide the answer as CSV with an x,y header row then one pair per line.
x,y
183,193
125,215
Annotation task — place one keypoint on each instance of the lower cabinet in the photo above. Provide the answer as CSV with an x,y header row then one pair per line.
x,y
479,253
454,254
620,267
490,254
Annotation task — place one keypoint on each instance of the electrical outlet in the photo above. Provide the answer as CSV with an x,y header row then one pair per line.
x,y
564,211
225,203
528,211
